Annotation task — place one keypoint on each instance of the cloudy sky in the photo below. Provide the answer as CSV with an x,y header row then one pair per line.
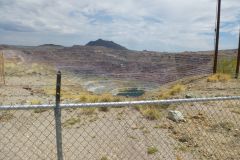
x,y
160,25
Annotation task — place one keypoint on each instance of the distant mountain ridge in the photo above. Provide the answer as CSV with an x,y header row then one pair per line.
x,y
50,45
107,44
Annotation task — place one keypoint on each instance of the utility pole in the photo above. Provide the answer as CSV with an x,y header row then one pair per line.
x,y
217,37
238,57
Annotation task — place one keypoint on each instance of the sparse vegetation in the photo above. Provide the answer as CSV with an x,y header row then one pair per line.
x,y
175,89
185,138
88,111
104,158
103,109
132,137
178,157
21,69
6,116
223,126
172,91
182,148
150,112
236,110
152,150
82,96
71,121
39,110
35,101
219,77
227,65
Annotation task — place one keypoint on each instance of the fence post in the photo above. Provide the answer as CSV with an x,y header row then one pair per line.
x,y
238,57
2,68
57,114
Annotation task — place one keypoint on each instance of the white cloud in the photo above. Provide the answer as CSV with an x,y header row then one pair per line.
x,y
170,25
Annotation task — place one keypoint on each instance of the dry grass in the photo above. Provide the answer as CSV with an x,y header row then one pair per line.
x,y
35,101
39,110
104,158
175,89
178,157
103,109
71,121
236,111
152,150
49,91
219,77
223,126
172,91
227,65
21,69
88,111
150,112
154,112
5,116
80,95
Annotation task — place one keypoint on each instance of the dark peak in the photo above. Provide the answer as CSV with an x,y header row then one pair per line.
x,y
3,46
50,45
105,43
76,46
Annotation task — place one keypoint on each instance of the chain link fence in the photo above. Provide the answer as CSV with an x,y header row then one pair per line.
x,y
141,130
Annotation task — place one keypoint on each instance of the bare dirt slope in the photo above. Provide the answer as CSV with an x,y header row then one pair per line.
x,y
211,129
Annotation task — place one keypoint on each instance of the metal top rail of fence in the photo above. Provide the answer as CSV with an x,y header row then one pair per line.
x,y
116,104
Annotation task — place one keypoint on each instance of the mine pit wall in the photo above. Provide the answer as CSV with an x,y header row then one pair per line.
x,y
193,64
156,68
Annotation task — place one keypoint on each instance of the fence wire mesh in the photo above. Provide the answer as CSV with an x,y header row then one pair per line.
x,y
27,134
210,130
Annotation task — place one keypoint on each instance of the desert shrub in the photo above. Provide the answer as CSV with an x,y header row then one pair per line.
x,y
39,110
85,96
71,121
6,116
175,89
35,101
104,158
226,126
93,99
152,150
236,110
88,111
227,65
103,109
219,77
49,91
172,91
106,98
150,112
13,68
